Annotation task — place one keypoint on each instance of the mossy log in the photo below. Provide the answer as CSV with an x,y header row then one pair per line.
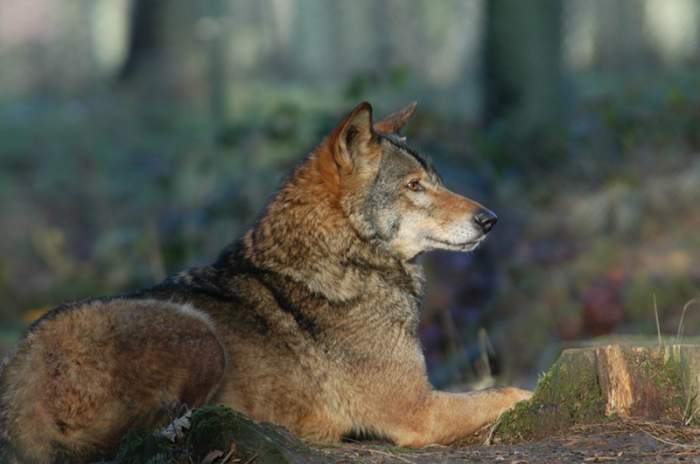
x,y
220,429
589,385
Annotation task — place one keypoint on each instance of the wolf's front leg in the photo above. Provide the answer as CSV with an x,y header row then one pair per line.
x,y
443,417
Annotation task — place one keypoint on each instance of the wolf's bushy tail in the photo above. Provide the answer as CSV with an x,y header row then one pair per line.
x,y
7,451
84,375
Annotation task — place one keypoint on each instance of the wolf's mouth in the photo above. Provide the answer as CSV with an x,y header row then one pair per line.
x,y
469,245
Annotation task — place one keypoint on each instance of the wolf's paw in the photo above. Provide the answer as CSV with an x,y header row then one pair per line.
x,y
516,395
513,396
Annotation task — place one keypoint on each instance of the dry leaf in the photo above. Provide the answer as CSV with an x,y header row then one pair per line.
x,y
175,430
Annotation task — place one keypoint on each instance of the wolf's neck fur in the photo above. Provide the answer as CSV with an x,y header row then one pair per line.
x,y
305,235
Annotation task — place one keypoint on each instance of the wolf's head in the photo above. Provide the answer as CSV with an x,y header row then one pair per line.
x,y
391,194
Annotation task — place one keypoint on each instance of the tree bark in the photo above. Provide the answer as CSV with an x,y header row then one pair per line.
x,y
522,63
147,36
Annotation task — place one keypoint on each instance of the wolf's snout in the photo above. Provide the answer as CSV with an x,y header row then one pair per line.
x,y
485,219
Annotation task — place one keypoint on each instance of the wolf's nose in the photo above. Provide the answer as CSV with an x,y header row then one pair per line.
x,y
485,219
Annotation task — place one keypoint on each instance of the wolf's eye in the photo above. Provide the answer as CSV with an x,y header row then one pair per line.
x,y
415,186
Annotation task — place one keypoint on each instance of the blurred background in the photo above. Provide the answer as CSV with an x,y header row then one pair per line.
x,y
138,138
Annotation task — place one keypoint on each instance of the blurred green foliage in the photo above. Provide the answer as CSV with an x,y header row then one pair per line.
x,y
107,185
106,193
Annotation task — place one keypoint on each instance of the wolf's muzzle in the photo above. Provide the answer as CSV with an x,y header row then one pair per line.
x,y
485,219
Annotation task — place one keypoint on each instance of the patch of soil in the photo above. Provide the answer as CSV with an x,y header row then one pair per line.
x,y
628,441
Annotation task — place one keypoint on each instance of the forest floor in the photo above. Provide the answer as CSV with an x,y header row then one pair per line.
x,y
219,435
628,441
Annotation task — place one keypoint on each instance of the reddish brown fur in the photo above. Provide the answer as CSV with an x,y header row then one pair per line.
x,y
87,376
452,206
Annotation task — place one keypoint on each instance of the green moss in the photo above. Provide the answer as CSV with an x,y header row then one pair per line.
x,y
143,447
662,377
670,379
219,428
567,394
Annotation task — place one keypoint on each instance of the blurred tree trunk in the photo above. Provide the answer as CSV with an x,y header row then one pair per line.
x,y
217,66
522,63
147,36
282,14
623,41
381,16
164,56
312,40
337,35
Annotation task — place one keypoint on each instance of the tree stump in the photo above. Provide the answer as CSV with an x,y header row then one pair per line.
x,y
590,385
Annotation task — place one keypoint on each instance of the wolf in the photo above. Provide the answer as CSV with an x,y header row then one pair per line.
x,y
308,321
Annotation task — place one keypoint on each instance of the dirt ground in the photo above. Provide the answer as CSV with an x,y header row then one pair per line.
x,y
630,442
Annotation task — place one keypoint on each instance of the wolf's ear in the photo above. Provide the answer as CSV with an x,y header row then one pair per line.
x,y
354,132
393,123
